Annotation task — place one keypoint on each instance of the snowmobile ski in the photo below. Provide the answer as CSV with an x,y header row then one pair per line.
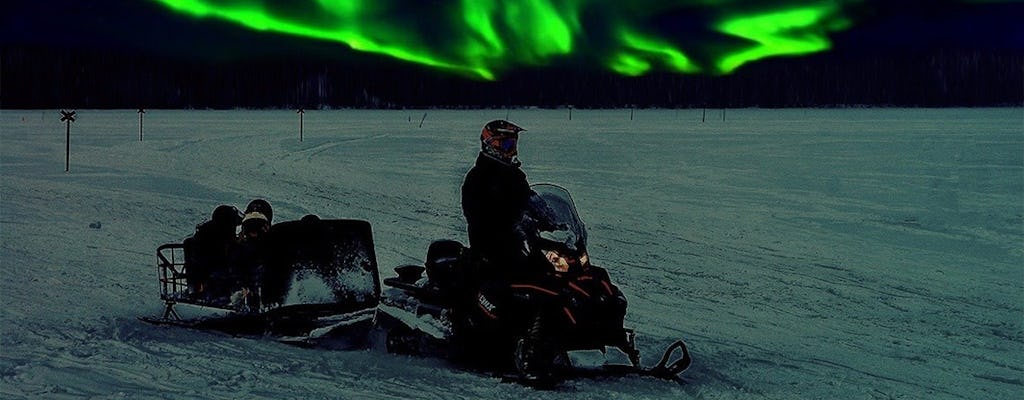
x,y
666,369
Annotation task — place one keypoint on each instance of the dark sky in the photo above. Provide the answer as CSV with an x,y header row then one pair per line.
x,y
710,38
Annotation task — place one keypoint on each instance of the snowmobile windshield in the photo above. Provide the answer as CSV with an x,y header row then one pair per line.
x,y
557,220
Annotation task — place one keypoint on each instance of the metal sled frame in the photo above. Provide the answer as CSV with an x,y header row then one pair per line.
x,y
171,270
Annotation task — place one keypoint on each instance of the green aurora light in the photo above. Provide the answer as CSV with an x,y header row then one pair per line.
x,y
483,38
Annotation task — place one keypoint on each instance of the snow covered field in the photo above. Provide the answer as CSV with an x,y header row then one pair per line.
x,y
814,254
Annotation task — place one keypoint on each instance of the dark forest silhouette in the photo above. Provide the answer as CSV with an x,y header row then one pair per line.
x,y
38,77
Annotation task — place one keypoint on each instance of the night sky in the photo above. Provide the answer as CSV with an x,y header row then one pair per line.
x,y
483,43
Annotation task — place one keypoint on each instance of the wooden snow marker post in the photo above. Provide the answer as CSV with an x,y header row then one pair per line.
x,y
68,118
141,111
300,111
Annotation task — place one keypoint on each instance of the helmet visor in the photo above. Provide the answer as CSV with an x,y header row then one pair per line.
x,y
508,143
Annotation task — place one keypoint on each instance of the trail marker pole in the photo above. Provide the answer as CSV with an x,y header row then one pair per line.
x,y
723,115
141,111
570,113
704,114
631,113
67,117
300,111
423,119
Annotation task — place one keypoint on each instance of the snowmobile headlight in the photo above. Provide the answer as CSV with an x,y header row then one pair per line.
x,y
558,262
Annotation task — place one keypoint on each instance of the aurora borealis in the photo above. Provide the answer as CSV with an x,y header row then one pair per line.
x,y
589,53
483,38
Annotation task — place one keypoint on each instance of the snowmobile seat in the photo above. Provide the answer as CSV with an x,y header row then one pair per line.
x,y
409,273
444,251
448,273
444,263
451,269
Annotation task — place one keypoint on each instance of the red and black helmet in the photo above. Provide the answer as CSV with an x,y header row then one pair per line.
x,y
499,139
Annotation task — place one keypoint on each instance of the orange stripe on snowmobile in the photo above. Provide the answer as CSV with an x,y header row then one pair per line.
x,y
579,289
486,312
569,314
537,288
607,287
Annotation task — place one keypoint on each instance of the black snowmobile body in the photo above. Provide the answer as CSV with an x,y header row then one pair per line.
x,y
316,275
524,322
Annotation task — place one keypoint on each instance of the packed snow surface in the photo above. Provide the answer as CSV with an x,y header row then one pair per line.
x,y
818,254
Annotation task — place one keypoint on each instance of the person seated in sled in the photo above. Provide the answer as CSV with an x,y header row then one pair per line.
x,y
261,206
206,253
246,261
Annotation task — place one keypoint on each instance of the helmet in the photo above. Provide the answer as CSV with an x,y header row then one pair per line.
x,y
261,206
499,140
254,224
226,215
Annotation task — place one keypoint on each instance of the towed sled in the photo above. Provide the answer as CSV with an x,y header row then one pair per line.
x,y
524,328
319,285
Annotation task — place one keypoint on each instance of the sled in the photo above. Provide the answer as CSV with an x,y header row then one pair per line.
x,y
316,272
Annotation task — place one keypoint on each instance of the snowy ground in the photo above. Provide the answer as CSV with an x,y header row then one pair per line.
x,y
848,254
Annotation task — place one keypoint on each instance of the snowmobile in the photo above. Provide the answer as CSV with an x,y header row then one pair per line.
x,y
318,286
524,327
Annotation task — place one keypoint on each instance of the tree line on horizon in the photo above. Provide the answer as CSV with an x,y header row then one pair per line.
x,y
33,78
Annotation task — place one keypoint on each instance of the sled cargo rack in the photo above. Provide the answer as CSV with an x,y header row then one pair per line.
x,y
172,273
171,267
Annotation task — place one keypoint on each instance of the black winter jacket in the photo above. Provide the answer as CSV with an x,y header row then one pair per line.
x,y
494,196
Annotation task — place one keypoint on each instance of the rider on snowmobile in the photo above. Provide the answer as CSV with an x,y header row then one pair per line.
x,y
496,201
494,195
524,293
